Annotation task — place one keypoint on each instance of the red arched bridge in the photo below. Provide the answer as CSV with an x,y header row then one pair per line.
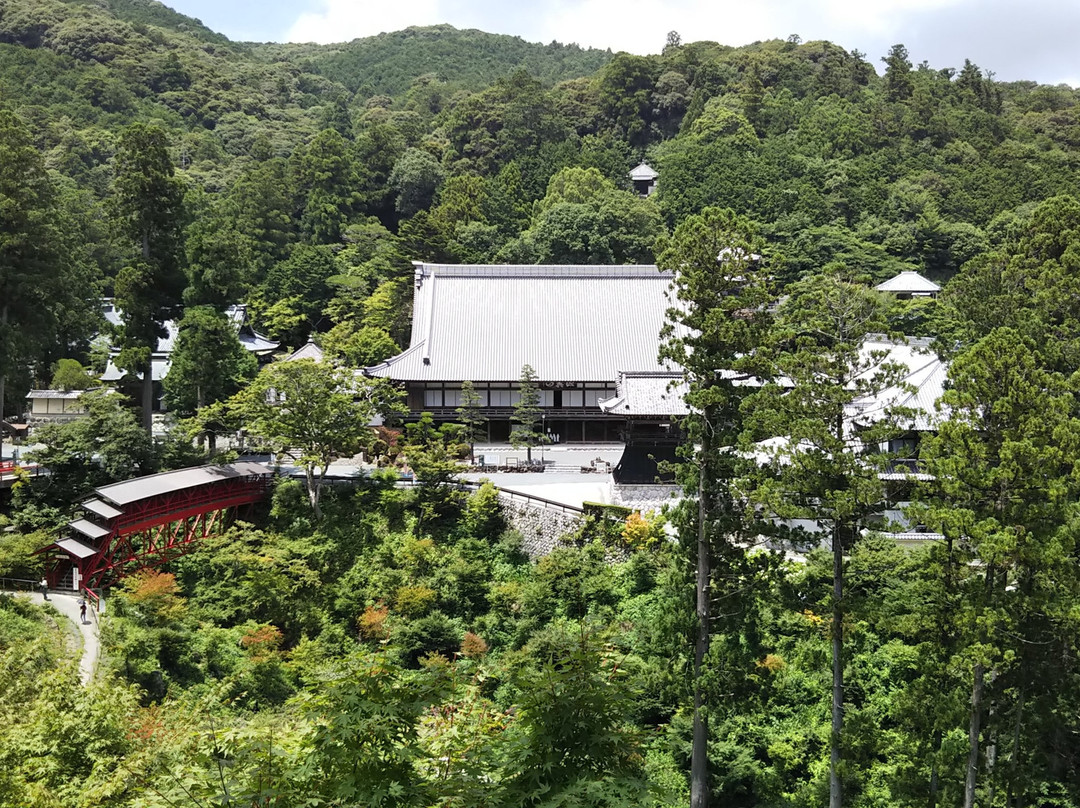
x,y
147,521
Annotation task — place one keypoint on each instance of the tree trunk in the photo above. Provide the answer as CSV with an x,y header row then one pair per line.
x,y
699,760
973,737
148,374
975,721
946,643
1012,797
148,395
314,487
932,798
1021,699
835,794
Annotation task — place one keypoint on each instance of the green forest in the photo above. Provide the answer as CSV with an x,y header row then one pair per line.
x,y
372,645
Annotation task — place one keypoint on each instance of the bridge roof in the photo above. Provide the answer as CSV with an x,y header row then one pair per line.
x,y
102,509
88,528
154,485
76,548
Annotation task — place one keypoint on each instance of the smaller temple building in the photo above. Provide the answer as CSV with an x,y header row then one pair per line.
x,y
644,179
54,406
161,358
650,404
909,284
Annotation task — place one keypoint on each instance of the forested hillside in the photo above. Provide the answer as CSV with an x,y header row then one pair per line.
x,y
394,647
313,174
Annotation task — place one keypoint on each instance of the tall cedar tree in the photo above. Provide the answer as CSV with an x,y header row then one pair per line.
x,y
147,206
1005,468
824,452
29,264
716,323
208,363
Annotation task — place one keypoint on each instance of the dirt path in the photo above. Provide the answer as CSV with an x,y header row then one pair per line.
x,y
68,605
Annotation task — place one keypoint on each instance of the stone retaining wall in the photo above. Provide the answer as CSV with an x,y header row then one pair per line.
x,y
644,497
540,527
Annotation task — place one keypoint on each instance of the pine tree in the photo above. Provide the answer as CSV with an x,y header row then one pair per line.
x,y
527,414
470,416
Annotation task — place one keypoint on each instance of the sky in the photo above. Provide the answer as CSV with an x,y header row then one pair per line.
x,y
1016,39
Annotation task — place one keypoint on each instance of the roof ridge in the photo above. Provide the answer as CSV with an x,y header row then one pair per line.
x,y
540,270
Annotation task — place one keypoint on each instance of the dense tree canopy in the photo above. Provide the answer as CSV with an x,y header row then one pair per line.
x,y
401,650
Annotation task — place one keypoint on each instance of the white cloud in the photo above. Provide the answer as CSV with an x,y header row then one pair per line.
x,y
874,17
641,26
343,20
1038,33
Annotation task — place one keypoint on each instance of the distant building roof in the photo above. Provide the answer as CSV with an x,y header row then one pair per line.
x,y
653,394
66,395
909,282
307,351
736,254
643,172
256,343
920,388
252,341
159,369
570,323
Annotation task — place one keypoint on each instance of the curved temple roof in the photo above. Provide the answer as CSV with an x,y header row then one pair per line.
x,y
570,323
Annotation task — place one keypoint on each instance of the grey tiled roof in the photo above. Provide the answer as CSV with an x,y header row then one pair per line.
x,y
252,340
919,390
309,350
570,323
256,342
102,509
159,369
67,395
76,548
648,394
88,528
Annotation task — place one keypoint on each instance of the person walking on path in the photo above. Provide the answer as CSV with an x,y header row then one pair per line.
x,y
44,585
82,609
